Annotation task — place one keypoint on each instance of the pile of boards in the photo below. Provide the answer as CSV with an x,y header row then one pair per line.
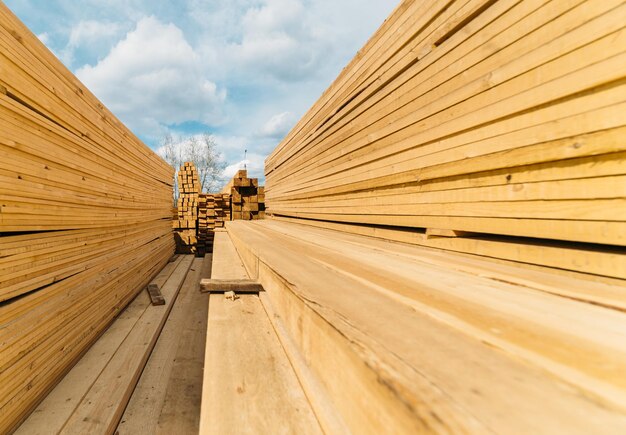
x,y
206,224
486,127
188,200
222,209
247,197
198,214
85,219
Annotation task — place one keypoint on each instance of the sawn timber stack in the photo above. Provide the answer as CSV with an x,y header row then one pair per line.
x,y
485,127
85,219
247,198
188,196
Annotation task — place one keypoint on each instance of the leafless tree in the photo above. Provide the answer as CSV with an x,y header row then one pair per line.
x,y
202,151
209,162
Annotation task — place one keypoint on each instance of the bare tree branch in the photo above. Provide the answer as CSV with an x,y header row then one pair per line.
x,y
202,151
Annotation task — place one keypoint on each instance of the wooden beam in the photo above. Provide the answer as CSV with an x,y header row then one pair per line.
x,y
230,285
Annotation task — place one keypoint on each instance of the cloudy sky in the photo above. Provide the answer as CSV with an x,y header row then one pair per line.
x,y
243,70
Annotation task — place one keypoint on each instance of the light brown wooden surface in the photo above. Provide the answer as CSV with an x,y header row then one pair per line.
x,y
501,118
66,399
409,340
102,406
249,384
85,210
168,395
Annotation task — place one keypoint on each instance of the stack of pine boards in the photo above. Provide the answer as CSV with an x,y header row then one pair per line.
x,y
206,223
188,194
222,209
246,196
395,338
85,219
198,214
485,127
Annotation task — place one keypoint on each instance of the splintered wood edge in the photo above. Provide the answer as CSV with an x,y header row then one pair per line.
x,y
230,285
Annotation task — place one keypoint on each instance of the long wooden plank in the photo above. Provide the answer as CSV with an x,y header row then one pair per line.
x,y
52,413
102,407
48,346
246,381
338,295
168,395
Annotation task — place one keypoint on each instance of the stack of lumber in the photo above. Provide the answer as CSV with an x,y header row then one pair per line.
x,y
404,339
485,127
213,211
85,211
206,223
247,197
92,397
188,196
222,209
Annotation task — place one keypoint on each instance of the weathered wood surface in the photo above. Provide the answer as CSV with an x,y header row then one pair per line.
x,y
230,285
168,395
406,339
249,384
156,297
92,396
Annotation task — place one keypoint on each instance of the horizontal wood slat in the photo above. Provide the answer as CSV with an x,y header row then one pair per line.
x,y
504,118
85,219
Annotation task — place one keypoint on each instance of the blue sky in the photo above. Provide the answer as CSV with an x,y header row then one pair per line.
x,y
243,70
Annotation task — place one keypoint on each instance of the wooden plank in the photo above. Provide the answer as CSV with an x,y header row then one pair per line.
x,y
247,380
168,395
325,296
155,294
102,407
228,285
45,336
577,258
52,413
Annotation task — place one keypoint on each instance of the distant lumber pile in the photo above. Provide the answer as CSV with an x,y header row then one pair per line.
x,y
85,219
206,223
198,214
213,211
188,196
486,127
247,197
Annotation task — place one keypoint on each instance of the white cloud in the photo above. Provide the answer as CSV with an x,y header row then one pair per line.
x,y
278,41
90,32
154,77
278,125
255,164
44,37
88,37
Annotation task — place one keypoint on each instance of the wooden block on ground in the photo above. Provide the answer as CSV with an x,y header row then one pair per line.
x,y
155,294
